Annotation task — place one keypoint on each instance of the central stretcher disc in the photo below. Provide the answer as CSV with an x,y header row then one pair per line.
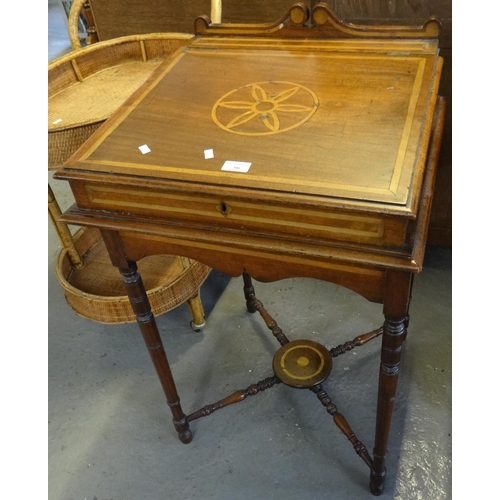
x,y
302,363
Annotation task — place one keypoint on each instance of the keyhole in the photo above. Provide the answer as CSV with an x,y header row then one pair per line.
x,y
223,208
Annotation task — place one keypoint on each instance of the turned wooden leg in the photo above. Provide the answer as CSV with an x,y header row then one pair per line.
x,y
396,304
248,290
196,307
147,324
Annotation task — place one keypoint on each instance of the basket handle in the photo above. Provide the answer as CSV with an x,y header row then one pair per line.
x,y
78,8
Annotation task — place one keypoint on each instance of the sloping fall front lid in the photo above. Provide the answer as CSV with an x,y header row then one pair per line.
x,y
341,119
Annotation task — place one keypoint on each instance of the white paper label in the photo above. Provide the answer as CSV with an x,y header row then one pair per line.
x,y
144,149
236,166
209,153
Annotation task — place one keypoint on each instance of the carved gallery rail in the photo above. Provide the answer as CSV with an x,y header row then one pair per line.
x,y
301,148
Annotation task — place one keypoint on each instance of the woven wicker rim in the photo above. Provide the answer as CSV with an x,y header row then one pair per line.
x,y
137,55
101,47
72,289
76,291
109,306
117,41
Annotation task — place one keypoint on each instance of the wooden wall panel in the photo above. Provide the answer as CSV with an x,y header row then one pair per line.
x,y
114,18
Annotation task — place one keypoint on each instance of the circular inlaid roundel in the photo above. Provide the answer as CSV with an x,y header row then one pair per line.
x,y
265,108
302,363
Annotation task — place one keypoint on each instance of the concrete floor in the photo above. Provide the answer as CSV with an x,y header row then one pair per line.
x,y
110,431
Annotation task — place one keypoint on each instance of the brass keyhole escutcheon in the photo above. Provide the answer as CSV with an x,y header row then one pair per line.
x,y
224,208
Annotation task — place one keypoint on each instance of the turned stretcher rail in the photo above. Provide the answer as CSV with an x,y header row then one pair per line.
x,y
236,397
358,341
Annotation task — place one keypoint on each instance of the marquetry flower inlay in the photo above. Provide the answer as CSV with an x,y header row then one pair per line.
x,y
265,108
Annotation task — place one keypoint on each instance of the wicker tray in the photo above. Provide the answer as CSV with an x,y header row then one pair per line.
x,y
92,290
87,85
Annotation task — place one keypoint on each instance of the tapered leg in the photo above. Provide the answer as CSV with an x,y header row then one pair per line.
x,y
147,324
248,290
396,305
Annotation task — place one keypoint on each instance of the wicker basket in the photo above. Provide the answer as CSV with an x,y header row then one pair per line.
x,y
91,290
85,88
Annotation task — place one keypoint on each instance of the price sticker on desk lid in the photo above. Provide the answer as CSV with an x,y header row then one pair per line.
x,y
236,166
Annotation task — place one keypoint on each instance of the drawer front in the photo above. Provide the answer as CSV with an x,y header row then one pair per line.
x,y
251,217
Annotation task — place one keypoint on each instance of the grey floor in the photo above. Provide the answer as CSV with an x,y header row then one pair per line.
x,y
110,432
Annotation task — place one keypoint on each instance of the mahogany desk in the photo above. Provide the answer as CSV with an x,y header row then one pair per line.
x,y
332,133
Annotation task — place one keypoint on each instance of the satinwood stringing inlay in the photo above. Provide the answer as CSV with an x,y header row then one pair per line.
x,y
265,108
